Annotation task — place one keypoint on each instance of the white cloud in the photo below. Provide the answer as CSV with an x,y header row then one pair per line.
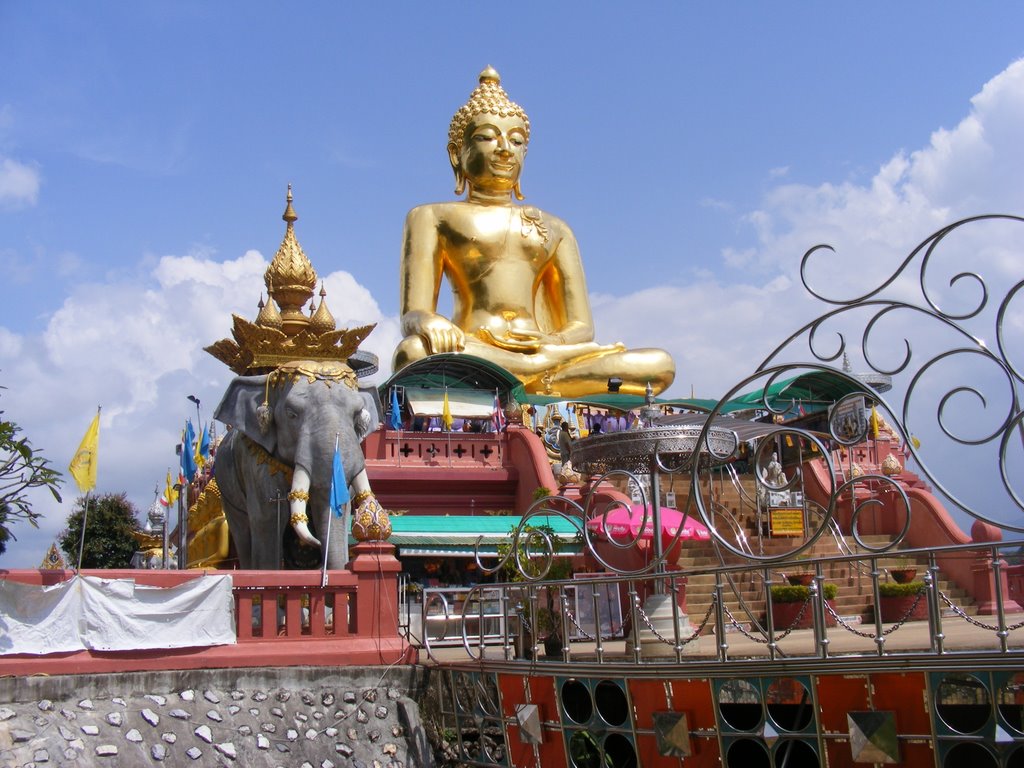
x,y
10,345
19,183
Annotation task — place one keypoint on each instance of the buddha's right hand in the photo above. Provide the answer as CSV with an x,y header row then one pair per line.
x,y
439,334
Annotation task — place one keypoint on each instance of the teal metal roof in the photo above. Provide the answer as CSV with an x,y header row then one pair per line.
x,y
816,389
455,371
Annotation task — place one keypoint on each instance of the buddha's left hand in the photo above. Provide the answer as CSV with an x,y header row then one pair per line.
x,y
520,340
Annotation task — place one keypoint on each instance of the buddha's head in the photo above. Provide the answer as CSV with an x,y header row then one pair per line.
x,y
487,139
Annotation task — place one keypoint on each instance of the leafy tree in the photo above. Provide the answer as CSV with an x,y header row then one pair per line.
x,y
109,532
4,533
22,468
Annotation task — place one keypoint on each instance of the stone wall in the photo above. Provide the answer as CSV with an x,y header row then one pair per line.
x,y
299,716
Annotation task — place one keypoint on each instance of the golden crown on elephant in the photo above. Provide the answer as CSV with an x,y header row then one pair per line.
x,y
281,332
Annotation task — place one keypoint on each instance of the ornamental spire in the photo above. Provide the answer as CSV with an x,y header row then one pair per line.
x,y
290,278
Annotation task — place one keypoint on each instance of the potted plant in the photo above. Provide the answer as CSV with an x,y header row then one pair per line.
x,y
790,601
803,574
549,626
904,571
549,621
902,601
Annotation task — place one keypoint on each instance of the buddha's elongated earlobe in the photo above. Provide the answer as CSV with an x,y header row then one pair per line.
x,y
517,192
453,158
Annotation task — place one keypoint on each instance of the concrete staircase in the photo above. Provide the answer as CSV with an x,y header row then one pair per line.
x,y
854,598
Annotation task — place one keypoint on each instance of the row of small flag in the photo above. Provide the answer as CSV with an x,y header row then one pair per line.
x,y
395,419
195,454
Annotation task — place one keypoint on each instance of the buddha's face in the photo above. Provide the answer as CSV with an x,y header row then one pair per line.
x,y
492,152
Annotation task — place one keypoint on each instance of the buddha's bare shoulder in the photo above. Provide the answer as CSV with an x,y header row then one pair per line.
x,y
426,212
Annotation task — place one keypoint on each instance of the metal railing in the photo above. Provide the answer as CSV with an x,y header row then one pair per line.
x,y
655,627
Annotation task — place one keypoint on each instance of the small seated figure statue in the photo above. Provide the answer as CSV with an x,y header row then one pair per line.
x,y
519,295
774,476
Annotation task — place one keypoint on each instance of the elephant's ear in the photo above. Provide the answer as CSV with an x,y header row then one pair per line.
x,y
366,418
240,406
371,399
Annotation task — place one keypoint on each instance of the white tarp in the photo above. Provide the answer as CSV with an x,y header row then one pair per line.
x,y
463,403
89,612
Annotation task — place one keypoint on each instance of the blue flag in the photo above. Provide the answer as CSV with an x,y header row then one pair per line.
x,y
188,457
339,486
396,412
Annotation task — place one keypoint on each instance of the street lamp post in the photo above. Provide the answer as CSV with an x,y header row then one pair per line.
x,y
199,420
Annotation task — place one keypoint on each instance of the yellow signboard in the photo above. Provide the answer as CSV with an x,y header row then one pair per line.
x,y
785,521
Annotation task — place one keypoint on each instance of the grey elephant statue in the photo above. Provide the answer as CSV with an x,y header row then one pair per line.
x,y
281,445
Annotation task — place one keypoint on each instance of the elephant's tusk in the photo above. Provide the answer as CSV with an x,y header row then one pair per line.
x,y
360,483
298,499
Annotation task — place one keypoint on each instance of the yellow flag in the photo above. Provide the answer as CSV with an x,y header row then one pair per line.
x,y
83,466
874,422
446,413
170,495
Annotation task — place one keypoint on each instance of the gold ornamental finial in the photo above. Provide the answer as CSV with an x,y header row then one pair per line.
x,y
322,321
290,278
268,316
280,336
289,212
488,98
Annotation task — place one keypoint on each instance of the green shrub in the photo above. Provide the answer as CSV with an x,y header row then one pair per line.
x,y
892,589
790,593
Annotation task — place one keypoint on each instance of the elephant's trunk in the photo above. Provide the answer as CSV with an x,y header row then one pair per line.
x,y
298,502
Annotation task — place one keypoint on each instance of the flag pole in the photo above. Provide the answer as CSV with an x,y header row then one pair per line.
x,y
325,541
81,543
167,519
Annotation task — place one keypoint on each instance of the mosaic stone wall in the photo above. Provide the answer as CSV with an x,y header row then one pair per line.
x,y
316,717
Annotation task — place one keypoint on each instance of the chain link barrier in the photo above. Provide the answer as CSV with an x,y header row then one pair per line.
x,y
885,633
696,632
764,640
971,620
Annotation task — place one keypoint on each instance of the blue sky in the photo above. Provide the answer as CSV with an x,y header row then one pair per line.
x,y
696,149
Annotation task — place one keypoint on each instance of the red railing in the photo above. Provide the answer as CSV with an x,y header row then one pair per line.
x,y
352,621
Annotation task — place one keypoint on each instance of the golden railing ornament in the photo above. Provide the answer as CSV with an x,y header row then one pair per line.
x,y
370,522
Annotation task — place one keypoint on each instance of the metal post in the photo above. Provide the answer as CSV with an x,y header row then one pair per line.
x,y
277,498
182,489
166,535
81,543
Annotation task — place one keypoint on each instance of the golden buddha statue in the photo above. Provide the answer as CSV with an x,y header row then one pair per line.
x,y
519,295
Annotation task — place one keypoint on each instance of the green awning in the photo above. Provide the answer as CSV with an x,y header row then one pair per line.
x,y
814,389
456,535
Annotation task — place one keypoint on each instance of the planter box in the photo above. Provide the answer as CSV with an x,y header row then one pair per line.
x,y
895,608
783,615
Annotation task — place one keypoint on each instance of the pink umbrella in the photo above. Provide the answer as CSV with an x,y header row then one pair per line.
x,y
623,525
